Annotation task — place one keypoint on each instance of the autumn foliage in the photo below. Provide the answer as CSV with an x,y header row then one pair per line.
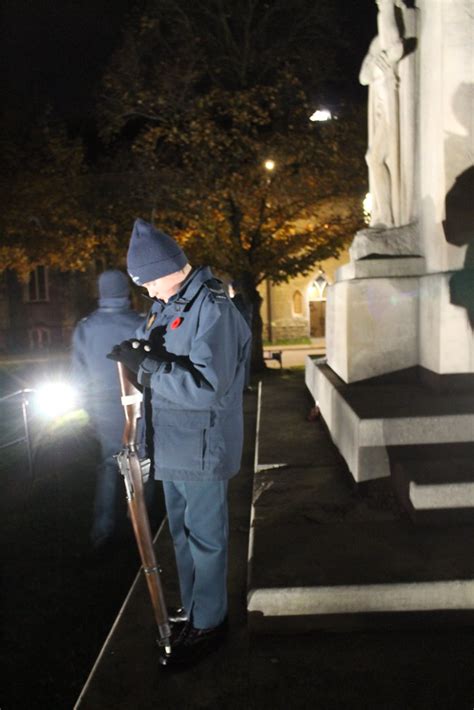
x,y
193,103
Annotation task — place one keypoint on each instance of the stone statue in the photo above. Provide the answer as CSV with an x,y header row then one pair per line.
x,y
388,70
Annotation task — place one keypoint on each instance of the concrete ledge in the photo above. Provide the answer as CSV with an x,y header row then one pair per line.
x,y
431,496
435,484
383,241
365,418
377,268
356,599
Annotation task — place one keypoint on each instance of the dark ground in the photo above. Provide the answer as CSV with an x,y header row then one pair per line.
x,y
59,600
415,663
59,604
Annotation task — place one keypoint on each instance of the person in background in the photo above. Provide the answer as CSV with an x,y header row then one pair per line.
x,y
194,369
98,382
245,308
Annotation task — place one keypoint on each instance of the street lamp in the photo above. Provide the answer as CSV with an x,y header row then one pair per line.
x,y
269,165
322,114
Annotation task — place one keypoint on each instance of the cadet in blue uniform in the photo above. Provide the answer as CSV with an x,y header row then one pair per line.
x,y
97,378
195,371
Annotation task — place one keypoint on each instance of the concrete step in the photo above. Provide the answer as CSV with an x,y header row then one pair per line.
x,y
325,552
367,418
435,484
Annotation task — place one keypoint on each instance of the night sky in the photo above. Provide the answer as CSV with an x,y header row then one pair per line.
x,y
55,52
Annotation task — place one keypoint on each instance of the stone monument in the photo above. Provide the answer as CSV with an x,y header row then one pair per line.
x,y
402,310
388,70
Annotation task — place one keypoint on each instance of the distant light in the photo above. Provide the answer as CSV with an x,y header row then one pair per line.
x,y
367,207
54,399
269,165
321,115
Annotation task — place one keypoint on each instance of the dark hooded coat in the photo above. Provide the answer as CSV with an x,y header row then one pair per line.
x,y
97,377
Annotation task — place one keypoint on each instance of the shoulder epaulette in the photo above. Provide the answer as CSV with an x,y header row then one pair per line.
x,y
216,289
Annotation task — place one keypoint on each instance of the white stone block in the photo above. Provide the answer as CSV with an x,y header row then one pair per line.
x,y
446,336
441,497
372,326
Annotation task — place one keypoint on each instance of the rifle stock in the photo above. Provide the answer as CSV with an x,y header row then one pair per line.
x,y
130,468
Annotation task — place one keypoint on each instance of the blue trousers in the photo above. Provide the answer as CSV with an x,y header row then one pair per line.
x,y
198,522
107,489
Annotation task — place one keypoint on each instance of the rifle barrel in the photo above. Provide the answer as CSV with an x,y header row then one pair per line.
x,y
130,468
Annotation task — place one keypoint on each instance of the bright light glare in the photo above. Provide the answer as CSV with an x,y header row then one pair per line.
x,y
54,399
367,207
269,164
321,115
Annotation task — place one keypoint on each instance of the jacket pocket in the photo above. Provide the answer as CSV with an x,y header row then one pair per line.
x,y
181,439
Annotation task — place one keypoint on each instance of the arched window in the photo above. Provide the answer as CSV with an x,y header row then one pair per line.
x,y
298,303
319,284
37,288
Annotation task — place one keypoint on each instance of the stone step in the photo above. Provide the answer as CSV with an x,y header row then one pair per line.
x,y
325,552
368,419
435,484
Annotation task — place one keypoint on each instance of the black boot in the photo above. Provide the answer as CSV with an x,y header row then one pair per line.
x,y
192,645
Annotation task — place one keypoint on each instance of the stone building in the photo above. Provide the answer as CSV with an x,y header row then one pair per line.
x,y
40,315
297,309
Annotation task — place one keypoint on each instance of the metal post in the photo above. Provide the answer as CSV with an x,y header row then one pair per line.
x,y
269,310
24,409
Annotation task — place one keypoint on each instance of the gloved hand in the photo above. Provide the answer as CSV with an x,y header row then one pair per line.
x,y
131,353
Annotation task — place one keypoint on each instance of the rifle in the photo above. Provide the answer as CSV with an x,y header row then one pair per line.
x,y
131,470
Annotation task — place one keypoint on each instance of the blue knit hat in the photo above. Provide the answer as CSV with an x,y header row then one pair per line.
x,y
152,254
113,284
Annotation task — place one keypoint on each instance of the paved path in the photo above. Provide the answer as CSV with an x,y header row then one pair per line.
x,y
410,668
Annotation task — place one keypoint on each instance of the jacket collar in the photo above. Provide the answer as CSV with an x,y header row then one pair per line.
x,y
114,303
190,287
187,291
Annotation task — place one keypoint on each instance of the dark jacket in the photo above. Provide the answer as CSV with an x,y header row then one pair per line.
x,y
95,375
196,390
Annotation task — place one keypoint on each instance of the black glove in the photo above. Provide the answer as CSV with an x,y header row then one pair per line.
x,y
131,353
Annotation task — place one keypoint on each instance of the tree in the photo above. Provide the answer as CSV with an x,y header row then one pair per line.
x,y
47,217
202,117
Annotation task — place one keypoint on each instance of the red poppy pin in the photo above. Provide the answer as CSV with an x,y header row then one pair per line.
x,y
176,323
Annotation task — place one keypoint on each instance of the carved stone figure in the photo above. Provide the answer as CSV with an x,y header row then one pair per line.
x,y
388,70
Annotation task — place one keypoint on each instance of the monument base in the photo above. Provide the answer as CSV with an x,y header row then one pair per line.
x,y
373,317
387,314
373,422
